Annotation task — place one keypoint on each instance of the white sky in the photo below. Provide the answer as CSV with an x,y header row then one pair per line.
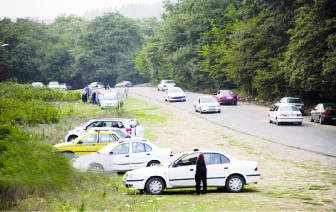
x,y
46,9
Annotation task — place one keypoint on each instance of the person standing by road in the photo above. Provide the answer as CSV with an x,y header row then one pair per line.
x,y
126,92
201,174
94,95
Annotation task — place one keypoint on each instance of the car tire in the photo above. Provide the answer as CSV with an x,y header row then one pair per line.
x,y
72,137
311,118
96,168
270,121
235,103
195,109
153,163
154,186
219,111
235,184
300,123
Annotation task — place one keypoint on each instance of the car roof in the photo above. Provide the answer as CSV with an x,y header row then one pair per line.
x,y
112,119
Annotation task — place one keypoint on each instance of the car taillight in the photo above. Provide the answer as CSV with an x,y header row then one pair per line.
x,y
299,115
256,169
302,106
325,112
283,115
164,85
129,131
171,154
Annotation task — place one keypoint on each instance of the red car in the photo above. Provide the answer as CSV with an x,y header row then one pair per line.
x,y
226,97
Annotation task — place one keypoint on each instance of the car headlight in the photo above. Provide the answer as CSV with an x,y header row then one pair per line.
x,y
130,176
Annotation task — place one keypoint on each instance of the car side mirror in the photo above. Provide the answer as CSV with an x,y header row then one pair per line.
x,y
111,153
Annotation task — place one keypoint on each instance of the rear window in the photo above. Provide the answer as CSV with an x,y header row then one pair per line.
x,y
168,81
226,92
134,123
288,108
294,101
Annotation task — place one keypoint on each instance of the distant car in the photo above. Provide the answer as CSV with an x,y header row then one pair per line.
x,y
89,142
110,100
294,101
165,84
207,104
96,85
53,85
324,113
284,113
127,154
129,126
37,84
226,97
223,171
174,94
124,84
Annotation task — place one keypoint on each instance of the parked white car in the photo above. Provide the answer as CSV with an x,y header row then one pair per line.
x,y
110,99
293,101
165,84
37,84
54,85
207,104
283,112
126,154
129,126
174,94
179,172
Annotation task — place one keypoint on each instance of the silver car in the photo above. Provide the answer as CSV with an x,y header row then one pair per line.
x,y
207,104
174,94
293,101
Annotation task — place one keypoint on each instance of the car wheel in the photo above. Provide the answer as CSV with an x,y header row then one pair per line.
x,y
270,121
154,186
311,118
235,103
153,163
320,120
195,109
72,137
299,123
96,168
235,184
219,111
165,99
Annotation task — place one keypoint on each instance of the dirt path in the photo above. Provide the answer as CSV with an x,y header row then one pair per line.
x,y
292,179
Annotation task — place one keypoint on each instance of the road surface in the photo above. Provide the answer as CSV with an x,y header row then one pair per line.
x,y
254,120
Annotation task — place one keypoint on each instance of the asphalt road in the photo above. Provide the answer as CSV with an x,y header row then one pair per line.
x,y
254,120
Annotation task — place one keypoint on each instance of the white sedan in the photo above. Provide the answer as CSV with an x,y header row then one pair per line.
x,y
179,172
207,104
126,154
174,94
282,113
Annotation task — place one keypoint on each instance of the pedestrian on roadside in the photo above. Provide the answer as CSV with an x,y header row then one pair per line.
x,y
94,95
126,92
84,96
87,93
201,174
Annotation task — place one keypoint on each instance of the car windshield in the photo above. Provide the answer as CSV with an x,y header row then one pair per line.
x,y
208,99
172,159
226,92
294,101
330,106
288,108
168,81
175,90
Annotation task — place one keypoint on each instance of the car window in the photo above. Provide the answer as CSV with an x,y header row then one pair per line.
x,y
107,138
121,149
226,92
276,108
95,124
89,139
138,147
288,108
224,159
294,101
188,160
134,123
148,148
212,158
117,124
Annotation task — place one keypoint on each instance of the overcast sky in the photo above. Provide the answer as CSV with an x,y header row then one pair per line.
x,y
47,9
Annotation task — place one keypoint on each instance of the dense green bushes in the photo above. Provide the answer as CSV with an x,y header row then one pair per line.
x,y
27,165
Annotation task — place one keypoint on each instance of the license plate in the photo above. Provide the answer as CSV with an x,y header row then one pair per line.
x,y
333,118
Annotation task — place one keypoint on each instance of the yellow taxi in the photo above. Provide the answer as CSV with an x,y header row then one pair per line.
x,y
88,143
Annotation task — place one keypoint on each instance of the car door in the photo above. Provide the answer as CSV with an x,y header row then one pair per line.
x,y
182,172
119,158
139,156
86,144
217,168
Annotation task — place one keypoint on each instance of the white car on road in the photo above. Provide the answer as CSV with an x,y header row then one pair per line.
x,y
165,84
179,172
174,94
54,85
110,100
283,112
126,154
207,104
129,126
